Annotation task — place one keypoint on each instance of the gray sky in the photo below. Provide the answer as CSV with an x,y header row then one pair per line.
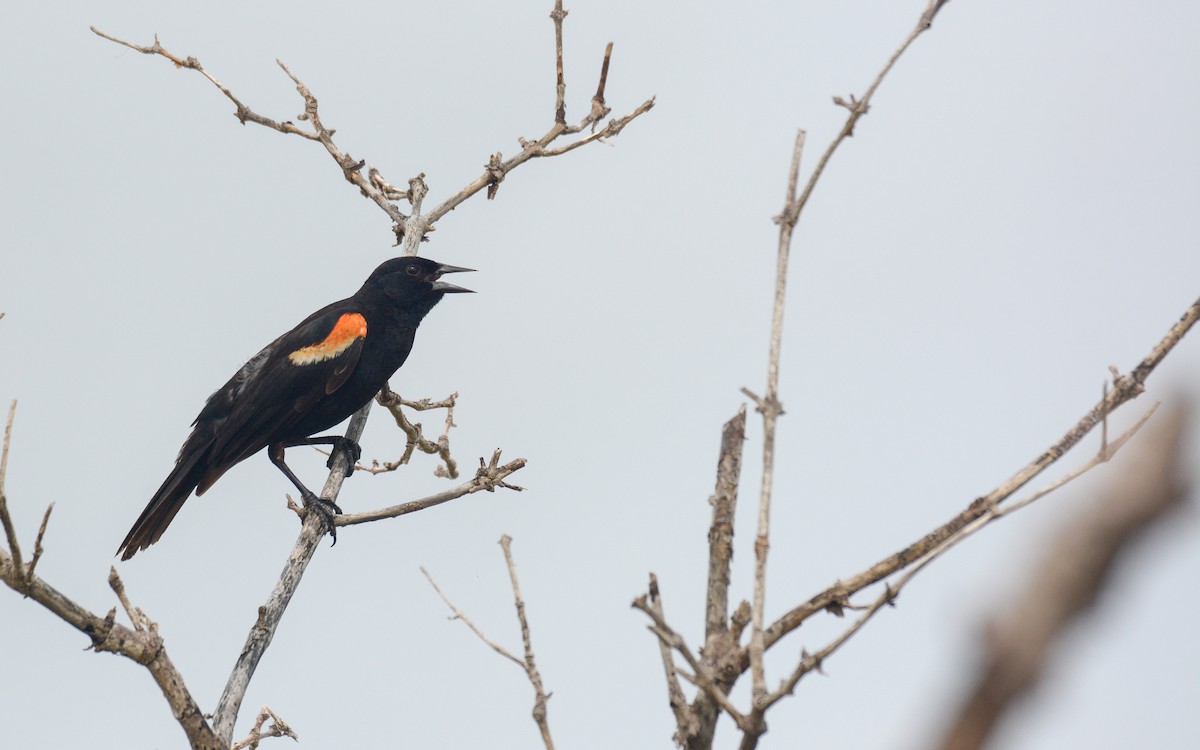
x,y
1017,212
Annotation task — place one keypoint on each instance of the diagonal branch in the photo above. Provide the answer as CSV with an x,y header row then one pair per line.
x,y
458,614
270,613
352,169
858,108
892,589
143,645
1126,388
702,677
1077,564
685,721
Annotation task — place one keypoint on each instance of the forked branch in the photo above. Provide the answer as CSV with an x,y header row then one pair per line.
x,y
529,662
412,228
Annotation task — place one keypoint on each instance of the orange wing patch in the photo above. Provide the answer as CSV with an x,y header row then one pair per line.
x,y
348,329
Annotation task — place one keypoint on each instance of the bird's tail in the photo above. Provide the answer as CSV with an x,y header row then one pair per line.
x,y
166,502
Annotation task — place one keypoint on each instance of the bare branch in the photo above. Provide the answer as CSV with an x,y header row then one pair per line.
x,y
560,107
118,587
892,589
529,663
771,409
270,613
1078,563
535,678
858,108
701,676
143,646
9,531
37,543
720,534
1126,388
458,614
416,438
278,728
489,476
685,720
351,169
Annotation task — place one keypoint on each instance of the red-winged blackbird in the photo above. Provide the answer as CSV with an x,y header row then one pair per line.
x,y
303,382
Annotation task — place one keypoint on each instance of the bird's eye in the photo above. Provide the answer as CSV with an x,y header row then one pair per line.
x,y
412,270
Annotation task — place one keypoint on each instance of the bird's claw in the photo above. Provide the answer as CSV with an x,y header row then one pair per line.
x,y
326,509
351,447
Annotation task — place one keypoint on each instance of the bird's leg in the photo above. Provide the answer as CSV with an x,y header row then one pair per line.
x,y
339,443
327,509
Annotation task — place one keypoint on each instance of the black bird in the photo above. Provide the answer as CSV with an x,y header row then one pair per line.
x,y
303,382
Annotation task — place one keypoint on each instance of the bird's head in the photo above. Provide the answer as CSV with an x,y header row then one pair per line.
x,y
409,278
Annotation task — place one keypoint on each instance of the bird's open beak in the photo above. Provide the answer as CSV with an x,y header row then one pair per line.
x,y
447,288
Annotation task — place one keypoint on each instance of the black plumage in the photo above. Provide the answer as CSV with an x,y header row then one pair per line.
x,y
307,380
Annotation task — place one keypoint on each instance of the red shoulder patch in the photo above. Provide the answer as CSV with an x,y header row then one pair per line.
x,y
348,329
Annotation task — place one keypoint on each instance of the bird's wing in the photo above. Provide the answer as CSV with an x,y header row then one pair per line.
x,y
277,388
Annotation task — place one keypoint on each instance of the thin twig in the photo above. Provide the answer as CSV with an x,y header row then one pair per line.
x,y
487,478
143,646
458,614
599,108
416,439
529,663
1076,565
701,677
278,728
560,107
351,169
771,409
858,108
892,589
1126,388
685,721
37,543
540,698
118,587
9,531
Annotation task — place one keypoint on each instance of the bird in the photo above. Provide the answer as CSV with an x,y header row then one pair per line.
x,y
302,383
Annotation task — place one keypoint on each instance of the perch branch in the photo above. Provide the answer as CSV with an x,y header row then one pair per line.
x,y
270,613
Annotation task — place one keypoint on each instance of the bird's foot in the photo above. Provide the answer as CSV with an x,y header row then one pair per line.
x,y
341,443
326,509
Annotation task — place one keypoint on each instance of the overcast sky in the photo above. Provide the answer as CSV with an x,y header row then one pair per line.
x,y
1016,213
